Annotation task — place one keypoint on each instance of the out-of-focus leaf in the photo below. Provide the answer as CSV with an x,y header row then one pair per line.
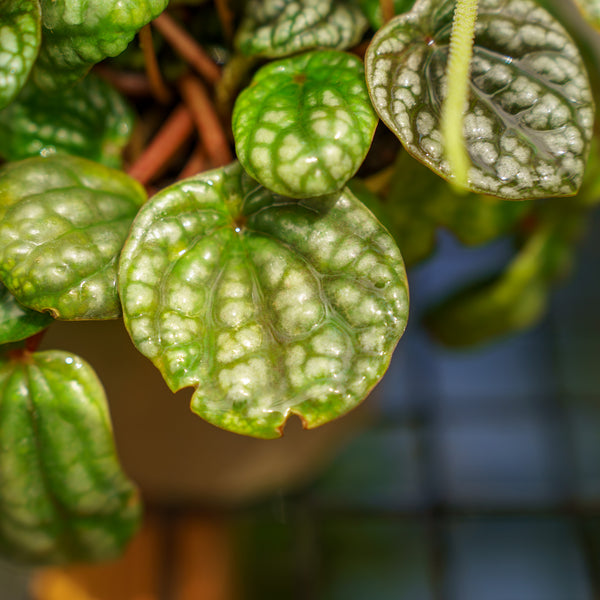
x,y
590,9
269,306
63,496
77,34
305,124
372,10
20,36
273,28
16,321
63,221
90,119
529,120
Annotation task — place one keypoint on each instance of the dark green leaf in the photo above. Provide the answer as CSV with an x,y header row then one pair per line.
x,y
63,496
63,221
267,305
77,34
273,28
305,124
89,119
529,120
20,36
16,321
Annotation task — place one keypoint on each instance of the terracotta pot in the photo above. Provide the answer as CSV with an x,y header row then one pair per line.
x,y
172,454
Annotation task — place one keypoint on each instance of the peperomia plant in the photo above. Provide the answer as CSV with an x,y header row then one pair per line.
x,y
274,285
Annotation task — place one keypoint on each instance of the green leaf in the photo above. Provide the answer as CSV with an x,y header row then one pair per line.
x,y
63,221
269,306
272,28
16,321
305,124
590,9
20,37
89,119
529,119
372,10
63,496
77,34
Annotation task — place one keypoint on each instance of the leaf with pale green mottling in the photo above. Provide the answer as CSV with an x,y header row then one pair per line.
x,y
16,321
77,34
305,124
590,9
20,37
63,495
90,119
529,119
273,28
63,222
267,305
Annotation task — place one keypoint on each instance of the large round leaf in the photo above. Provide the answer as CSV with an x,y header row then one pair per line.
x,y
529,119
63,496
267,305
273,28
16,321
20,37
77,34
63,221
90,119
305,124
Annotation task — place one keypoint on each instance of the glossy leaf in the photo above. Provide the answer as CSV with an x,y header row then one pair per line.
x,y
20,37
77,34
529,119
63,221
273,28
269,306
590,9
63,496
305,124
16,321
89,119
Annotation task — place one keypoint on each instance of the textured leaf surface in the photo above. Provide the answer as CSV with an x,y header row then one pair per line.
x,y
529,120
274,28
267,305
89,119
16,321
63,221
77,34
63,496
305,124
20,36
590,9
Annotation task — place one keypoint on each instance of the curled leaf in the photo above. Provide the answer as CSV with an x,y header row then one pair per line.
x,y
267,305
529,119
20,37
305,124
63,496
63,221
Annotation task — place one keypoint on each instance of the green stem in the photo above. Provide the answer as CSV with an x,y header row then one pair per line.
x,y
453,109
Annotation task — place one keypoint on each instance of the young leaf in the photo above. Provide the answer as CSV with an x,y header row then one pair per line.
x,y
16,321
267,305
272,28
63,221
20,37
78,34
89,119
63,496
529,120
305,124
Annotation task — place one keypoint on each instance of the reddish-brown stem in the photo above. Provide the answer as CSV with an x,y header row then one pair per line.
x,y
207,121
226,17
129,84
159,89
196,163
175,131
387,9
186,46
